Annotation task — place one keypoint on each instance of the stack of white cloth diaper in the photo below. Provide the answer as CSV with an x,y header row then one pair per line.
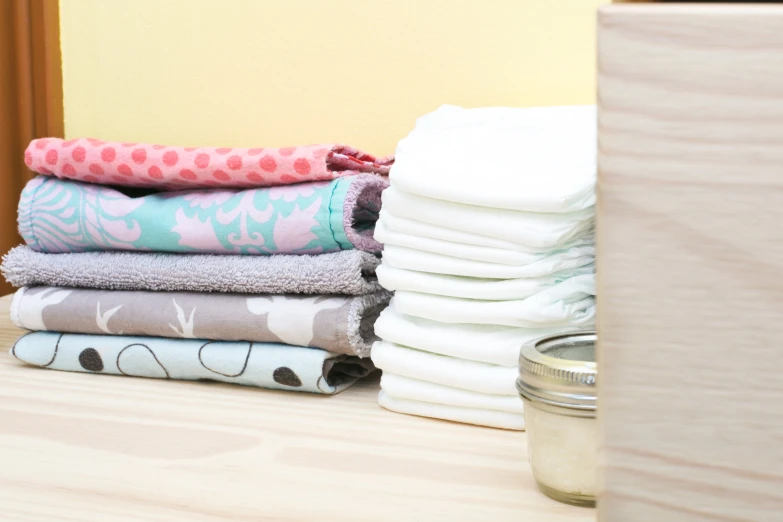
x,y
488,232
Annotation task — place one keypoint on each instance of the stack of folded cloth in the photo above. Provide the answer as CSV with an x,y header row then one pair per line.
x,y
249,266
488,243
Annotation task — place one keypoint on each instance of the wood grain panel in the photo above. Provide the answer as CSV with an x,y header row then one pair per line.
x,y
690,244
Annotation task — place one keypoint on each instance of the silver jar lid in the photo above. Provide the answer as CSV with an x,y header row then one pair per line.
x,y
559,371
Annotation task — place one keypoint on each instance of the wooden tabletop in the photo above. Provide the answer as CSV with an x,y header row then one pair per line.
x,y
79,447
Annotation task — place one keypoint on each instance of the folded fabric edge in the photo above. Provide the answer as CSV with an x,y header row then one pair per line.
x,y
464,250
402,387
24,216
8,267
345,158
363,312
581,199
413,363
343,371
360,211
16,302
398,328
487,418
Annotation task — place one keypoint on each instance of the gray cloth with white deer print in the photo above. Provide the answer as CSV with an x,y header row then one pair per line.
x,y
338,324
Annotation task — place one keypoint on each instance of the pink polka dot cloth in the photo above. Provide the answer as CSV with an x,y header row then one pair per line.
x,y
165,167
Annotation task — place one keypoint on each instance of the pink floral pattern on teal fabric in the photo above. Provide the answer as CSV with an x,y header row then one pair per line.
x,y
58,216
77,217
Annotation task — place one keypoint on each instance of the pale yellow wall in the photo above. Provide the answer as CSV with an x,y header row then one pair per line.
x,y
284,72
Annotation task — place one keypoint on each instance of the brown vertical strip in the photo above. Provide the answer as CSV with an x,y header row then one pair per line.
x,y
30,98
46,68
22,40
17,112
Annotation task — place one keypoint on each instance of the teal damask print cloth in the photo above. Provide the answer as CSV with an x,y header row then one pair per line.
x,y
59,216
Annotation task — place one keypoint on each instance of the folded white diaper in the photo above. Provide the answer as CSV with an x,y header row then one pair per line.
x,y
393,278
448,371
583,246
489,243
476,342
534,229
479,416
564,262
570,303
417,228
413,389
537,159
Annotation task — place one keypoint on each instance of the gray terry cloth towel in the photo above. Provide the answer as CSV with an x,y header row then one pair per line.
x,y
351,272
337,324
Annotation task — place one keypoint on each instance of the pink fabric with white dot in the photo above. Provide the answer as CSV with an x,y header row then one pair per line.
x,y
161,166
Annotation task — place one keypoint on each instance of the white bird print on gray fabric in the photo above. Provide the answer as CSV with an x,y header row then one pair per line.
x,y
102,319
186,326
31,315
291,320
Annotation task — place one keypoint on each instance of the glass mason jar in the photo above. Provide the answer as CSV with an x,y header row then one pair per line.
x,y
557,383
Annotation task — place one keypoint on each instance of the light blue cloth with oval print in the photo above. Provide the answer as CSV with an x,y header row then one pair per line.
x,y
58,216
265,365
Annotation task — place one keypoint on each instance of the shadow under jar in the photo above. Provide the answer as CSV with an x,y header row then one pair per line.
x,y
557,383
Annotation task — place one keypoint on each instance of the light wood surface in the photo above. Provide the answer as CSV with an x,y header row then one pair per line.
x,y
78,447
690,248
